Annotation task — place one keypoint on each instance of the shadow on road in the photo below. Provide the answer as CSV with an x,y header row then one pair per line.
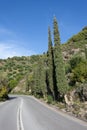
x,y
12,97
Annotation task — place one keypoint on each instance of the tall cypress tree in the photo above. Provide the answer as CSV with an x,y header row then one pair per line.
x,y
50,64
40,78
58,61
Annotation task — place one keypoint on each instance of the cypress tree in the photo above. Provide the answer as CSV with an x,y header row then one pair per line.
x,y
42,73
58,61
50,64
40,78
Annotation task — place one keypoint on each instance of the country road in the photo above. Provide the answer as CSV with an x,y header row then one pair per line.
x,y
26,113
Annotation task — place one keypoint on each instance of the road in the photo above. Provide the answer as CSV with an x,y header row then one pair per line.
x,y
26,113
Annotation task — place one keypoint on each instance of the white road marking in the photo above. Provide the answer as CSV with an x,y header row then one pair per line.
x,y
19,117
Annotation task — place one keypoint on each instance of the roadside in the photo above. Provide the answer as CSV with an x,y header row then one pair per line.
x,y
61,108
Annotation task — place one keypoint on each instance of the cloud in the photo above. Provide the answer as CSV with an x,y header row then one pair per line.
x,y
10,49
5,31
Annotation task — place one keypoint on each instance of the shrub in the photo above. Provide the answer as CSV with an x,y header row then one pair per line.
x,y
80,73
3,93
12,84
49,99
75,61
67,68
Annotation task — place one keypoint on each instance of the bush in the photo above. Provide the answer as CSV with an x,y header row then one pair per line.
x,y
67,68
12,84
3,93
75,61
80,72
49,99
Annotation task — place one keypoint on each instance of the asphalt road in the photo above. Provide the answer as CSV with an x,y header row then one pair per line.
x,y
26,113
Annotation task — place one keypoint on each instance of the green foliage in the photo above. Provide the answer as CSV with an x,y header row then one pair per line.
x,y
67,68
30,83
3,93
58,61
49,99
75,60
3,87
16,68
50,65
80,36
78,41
36,84
12,84
3,80
41,76
86,52
80,72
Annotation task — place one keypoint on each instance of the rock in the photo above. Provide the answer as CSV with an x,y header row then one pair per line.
x,y
81,92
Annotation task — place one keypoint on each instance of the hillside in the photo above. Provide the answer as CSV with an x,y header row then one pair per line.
x,y
76,44
16,69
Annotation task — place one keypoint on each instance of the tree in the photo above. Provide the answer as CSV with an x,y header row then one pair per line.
x,y
3,87
40,78
58,61
50,65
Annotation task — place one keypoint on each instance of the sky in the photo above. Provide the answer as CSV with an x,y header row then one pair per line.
x,y
24,24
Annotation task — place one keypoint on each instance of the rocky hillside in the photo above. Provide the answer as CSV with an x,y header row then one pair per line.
x,y
75,57
75,45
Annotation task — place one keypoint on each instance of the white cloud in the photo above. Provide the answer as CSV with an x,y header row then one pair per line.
x,y
10,49
5,31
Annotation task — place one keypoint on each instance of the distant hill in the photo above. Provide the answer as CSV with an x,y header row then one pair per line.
x,y
17,68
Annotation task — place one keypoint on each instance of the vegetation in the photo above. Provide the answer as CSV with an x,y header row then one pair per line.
x,y
3,87
50,65
58,61
51,75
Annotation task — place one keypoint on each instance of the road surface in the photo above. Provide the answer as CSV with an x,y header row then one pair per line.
x,y
26,113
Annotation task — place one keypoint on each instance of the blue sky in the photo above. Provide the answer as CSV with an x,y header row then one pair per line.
x,y
24,24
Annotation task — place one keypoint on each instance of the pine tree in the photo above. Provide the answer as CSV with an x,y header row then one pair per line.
x,y
58,61
50,65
